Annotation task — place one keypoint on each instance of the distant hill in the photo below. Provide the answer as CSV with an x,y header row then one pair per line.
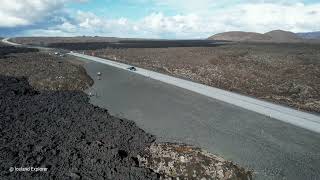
x,y
238,36
277,36
310,35
283,36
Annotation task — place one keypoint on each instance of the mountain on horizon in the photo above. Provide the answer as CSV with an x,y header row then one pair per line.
x,y
310,35
277,36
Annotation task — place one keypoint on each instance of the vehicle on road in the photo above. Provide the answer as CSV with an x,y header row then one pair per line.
x,y
132,68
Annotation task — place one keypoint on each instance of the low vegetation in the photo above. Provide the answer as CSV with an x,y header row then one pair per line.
x,y
44,72
287,74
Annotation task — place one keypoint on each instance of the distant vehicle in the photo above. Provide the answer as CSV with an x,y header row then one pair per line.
x,y
132,68
56,53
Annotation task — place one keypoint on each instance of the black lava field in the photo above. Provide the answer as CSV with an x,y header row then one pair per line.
x,y
136,44
61,131
5,50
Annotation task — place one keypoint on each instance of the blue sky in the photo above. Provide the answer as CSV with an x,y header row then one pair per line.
x,y
177,19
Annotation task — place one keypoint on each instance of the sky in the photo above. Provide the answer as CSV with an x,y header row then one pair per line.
x,y
170,19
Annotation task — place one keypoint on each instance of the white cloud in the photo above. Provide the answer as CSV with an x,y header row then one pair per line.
x,y
27,12
199,6
269,16
182,26
11,21
259,17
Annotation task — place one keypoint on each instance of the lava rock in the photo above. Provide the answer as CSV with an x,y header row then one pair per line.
x,y
53,128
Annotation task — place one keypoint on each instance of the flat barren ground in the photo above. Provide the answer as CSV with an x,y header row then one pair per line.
x,y
287,74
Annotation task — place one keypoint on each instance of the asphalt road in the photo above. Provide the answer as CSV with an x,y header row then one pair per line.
x,y
298,118
272,148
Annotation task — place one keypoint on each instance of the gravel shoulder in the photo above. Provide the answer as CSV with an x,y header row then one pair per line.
x,y
47,122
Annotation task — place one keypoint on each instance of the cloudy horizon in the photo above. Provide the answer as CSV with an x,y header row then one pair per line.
x,y
176,19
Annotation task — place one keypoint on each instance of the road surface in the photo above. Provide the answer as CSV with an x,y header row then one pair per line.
x,y
302,119
274,149
6,41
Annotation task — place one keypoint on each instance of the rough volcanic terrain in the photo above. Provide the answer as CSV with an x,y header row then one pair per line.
x,y
287,74
91,44
5,50
193,163
61,131
44,72
53,132
43,41
137,44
